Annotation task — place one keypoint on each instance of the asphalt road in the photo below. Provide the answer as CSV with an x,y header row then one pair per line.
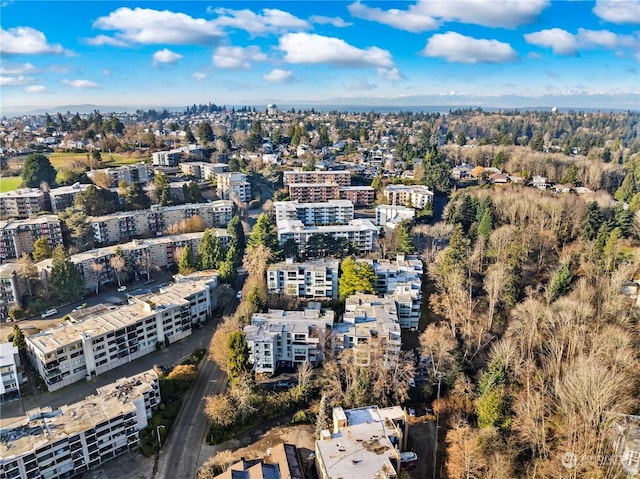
x,y
184,451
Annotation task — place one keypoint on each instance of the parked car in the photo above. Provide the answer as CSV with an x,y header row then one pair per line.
x,y
122,288
412,412
239,295
77,308
49,312
408,460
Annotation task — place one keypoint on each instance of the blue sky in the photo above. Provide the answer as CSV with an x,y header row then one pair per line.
x,y
170,53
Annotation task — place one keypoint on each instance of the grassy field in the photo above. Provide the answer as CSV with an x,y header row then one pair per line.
x,y
59,160
9,183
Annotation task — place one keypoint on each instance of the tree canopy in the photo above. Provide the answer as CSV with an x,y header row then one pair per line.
x,y
355,277
38,169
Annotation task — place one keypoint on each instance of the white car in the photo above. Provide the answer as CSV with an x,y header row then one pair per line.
x,y
49,312
122,288
239,295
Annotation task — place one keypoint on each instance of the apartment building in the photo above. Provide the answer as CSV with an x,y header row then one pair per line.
x,y
369,328
11,288
75,351
414,196
626,443
63,197
364,443
18,236
169,158
10,375
233,184
201,170
287,338
68,441
362,232
23,203
138,172
400,279
358,195
123,226
314,192
333,212
280,461
338,177
316,279
389,216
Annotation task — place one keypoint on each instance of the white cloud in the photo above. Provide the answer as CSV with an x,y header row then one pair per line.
x,y
560,41
80,83
271,21
311,48
237,58
462,49
391,74
278,75
16,68
28,41
101,40
618,11
199,76
35,89
14,80
411,20
429,14
360,84
165,56
335,21
148,27
599,38
106,72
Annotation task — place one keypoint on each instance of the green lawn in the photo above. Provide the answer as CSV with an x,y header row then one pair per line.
x,y
9,183
59,160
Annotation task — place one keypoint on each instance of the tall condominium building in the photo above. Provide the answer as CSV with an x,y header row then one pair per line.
x,y
317,279
23,203
414,196
358,195
97,341
18,236
333,212
287,338
62,198
68,441
390,215
10,374
12,287
361,232
364,443
233,184
314,192
139,172
123,226
338,177
369,328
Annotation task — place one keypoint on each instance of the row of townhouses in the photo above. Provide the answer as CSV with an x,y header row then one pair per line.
x,y
280,338
100,338
68,441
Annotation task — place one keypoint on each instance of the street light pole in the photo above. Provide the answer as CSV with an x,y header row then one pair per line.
x,y
435,449
158,433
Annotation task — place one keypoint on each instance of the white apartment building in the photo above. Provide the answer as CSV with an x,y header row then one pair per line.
x,y
23,203
287,338
389,216
400,279
62,197
362,232
68,441
414,196
369,328
18,236
10,375
339,177
317,279
11,288
233,184
139,172
202,170
123,226
332,212
364,443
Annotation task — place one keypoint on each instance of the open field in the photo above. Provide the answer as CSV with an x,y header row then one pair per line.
x,y
9,183
61,159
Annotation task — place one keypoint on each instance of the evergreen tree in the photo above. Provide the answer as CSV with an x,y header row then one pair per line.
x,y
41,249
485,227
455,255
237,240
595,219
18,338
561,282
264,233
205,133
210,251
405,239
136,198
38,169
238,362
162,189
66,280
186,264
355,277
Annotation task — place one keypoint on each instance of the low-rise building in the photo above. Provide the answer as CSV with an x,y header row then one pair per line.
x,y
18,236
138,172
414,196
232,184
361,232
364,443
334,212
338,177
287,338
280,462
202,170
314,192
11,288
62,197
68,441
10,374
358,195
315,279
390,215
23,203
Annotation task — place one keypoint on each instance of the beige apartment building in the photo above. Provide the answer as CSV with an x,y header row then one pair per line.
x,y
18,236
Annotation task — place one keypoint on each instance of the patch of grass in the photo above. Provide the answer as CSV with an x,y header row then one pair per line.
x,y
64,160
9,183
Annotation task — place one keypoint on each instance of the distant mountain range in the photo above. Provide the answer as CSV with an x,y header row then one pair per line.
x,y
575,100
